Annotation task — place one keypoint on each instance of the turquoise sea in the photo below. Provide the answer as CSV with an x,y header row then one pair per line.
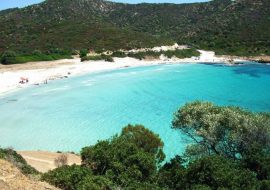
x,y
72,113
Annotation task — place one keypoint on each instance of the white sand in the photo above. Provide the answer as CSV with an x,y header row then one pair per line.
x,y
38,72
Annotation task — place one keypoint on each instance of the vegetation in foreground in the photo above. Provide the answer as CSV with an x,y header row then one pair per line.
x,y
230,150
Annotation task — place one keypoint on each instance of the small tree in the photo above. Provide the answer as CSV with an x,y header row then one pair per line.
x,y
61,160
145,139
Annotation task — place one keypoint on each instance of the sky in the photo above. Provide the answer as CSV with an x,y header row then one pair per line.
x,y
5,4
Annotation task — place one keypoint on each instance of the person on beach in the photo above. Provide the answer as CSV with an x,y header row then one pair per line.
x,y
23,80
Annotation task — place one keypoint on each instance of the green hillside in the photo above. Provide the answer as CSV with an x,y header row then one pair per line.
x,y
238,27
230,27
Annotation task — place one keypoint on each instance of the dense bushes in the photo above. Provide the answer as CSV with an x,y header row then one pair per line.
x,y
121,161
217,172
185,53
97,58
10,57
126,158
119,54
143,55
211,172
230,151
83,53
92,182
67,177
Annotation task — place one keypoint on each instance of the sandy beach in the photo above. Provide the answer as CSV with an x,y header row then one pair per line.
x,y
43,161
39,73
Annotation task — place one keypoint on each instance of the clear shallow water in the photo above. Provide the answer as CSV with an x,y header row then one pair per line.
x,y
72,113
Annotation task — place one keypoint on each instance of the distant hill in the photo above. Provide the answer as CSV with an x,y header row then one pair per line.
x,y
239,27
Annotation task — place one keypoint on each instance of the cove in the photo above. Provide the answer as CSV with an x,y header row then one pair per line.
x,y
72,113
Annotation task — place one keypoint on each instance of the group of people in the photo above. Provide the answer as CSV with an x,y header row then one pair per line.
x,y
23,80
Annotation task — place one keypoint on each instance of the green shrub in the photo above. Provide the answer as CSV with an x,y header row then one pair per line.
x,y
219,172
8,57
265,185
95,183
181,54
41,57
185,53
12,58
143,55
143,186
203,187
126,158
119,54
108,58
98,58
172,174
59,51
83,53
66,177
37,52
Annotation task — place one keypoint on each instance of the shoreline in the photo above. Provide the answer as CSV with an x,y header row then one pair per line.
x,y
40,73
